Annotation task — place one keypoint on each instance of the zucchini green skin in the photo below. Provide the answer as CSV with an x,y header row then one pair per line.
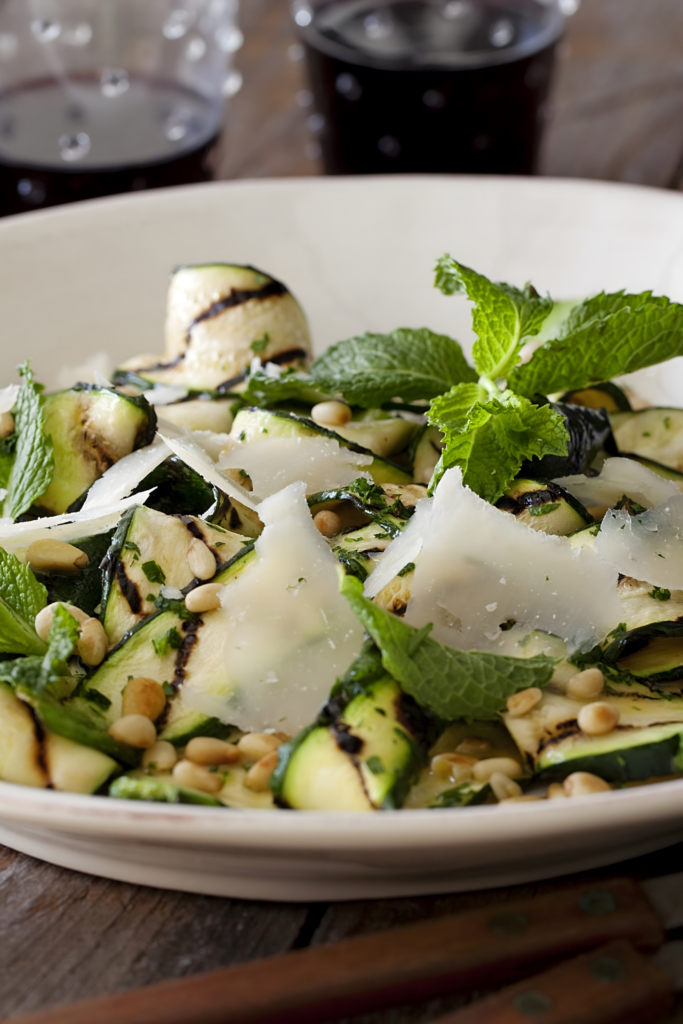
x,y
607,396
544,506
253,425
159,791
91,429
365,759
653,652
84,589
655,434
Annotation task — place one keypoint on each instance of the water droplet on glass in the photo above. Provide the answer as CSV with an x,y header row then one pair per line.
x,y
434,99
389,146
303,15
45,31
74,147
569,7
195,49
348,86
31,191
502,33
229,38
79,35
177,24
114,82
313,151
316,123
453,9
379,25
295,52
178,124
232,84
9,45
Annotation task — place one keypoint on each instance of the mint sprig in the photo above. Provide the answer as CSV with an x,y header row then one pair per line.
x,y
451,684
503,316
21,598
372,369
33,463
35,674
264,390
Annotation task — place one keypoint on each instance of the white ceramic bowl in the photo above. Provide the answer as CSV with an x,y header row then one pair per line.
x,y
359,255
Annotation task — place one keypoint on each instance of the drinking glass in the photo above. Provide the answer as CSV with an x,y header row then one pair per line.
x,y
105,96
430,85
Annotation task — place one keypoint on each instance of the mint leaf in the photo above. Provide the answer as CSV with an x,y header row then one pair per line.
x,y
36,673
450,684
602,338
21,598
503,316
33,463
264,391
153,572
371,369
7,449
19,588
170,641
490,440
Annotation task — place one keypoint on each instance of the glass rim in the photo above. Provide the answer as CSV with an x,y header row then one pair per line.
x,y
429,61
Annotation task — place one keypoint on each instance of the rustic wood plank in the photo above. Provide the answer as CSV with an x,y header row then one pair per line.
x,y
66,936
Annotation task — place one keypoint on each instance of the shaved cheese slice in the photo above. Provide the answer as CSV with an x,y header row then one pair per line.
x,y
320,462
165,394
8,397
125,475
288,631
404,549
196,458
617,478
647,546
69,526
479,568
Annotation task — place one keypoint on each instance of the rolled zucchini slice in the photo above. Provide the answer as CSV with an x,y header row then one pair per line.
x,y
218,317
607,396
545,506
653,652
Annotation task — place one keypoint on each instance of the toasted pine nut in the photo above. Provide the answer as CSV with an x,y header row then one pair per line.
x,y
586,685
205,598
258,776
519,704
556,791
256,745
93,643
208,750
455,767
584,784
597,718
135,730
327,522
483,770
185,773
331,414
201,560
45,618
142,696
503,786
474,747
160,757
55,556
6,424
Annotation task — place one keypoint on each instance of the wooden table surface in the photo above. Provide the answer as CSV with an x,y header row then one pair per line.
x,y
617,113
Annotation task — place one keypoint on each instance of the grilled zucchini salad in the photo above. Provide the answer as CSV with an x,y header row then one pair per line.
x,y
382,579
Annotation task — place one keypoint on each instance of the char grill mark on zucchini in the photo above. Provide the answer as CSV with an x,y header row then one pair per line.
x,y
237,297
544,506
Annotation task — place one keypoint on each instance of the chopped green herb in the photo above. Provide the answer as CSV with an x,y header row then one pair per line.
x,y
374,764
406,569
129,545
667,422
153,572
661,594
260,344
543,510
170,641
168,689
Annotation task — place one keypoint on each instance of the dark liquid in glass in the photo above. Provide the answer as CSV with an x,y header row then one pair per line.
x,y
61,144
436,86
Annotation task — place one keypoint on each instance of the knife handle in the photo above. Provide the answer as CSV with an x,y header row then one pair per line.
x,y
612,985
449,954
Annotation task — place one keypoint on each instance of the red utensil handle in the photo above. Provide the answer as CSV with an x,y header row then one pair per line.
x,y
449,954
612,985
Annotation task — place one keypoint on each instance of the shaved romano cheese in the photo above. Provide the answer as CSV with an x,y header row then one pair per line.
x,y
125,475
404,549
288,631
320,462
617,478
8,397
165,394
647,546
480,568
69,526
197,459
